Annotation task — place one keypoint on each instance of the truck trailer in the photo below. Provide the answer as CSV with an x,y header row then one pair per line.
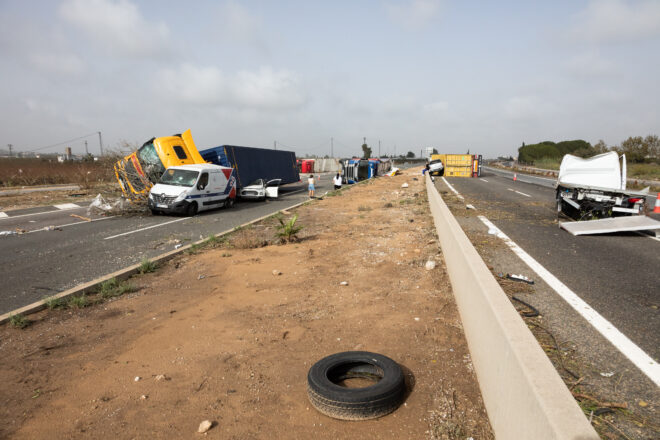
x,y
252,163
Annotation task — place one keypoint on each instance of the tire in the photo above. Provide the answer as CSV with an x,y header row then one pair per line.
x,y
229,203
365,403
192,209
155,212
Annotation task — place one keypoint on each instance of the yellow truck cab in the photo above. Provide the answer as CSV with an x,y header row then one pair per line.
x,y
140,170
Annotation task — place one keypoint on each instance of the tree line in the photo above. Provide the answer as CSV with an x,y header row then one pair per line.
x,y
637,149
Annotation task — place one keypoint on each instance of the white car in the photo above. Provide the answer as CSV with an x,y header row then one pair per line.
x,y
260,189
436,167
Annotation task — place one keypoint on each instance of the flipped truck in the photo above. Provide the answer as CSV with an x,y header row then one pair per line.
x,y
258,170
595,188
140,170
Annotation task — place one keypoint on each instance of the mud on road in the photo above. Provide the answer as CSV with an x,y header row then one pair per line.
x,y
228,334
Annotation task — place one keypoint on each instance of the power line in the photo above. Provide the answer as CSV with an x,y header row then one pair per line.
x,y
62,143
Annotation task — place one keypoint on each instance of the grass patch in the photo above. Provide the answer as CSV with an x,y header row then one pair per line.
x,y
19,321
194,248
55,303
363,208
388,205
113,288
147,266
78,302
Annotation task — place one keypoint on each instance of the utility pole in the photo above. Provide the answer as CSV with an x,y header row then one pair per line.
x,y
10,146
378,147
101,143
332,147
275,144
86,152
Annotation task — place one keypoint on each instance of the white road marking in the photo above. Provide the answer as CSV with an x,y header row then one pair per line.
x,y
452,188
635,354
511,189
71,224
34,213
523,194
64,206
652,237
485,180
148,227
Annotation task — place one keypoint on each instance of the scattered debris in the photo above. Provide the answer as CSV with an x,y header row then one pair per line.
x,y
160,377
177,246
405,185
430,265
5,233
520,278
201,277
344,283
137,378
87,219
276,272
143,397
610,374
204,426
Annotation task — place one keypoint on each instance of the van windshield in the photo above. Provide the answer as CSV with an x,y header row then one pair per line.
x,y
179,177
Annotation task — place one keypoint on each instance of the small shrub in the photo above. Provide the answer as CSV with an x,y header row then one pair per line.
x,y
286,231
194,248
19,321
78,302
364,208
147,266
226,254
113,288
55,303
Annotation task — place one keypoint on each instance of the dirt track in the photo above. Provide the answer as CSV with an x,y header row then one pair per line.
x,y
234,330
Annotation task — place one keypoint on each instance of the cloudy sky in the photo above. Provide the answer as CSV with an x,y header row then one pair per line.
x,y
454,75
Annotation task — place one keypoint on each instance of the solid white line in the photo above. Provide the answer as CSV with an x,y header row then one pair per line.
x,y
635,354
526,195
452,188
65,206
511,189
34,213
148,227
71,224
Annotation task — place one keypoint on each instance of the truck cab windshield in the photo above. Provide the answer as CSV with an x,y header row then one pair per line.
x,y
179,177
151,163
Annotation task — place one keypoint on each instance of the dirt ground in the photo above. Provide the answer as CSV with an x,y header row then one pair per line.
x,y
228,334
10,202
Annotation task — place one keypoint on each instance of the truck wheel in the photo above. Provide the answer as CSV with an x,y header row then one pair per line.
x,y
155,212
340,402
192,209
229,203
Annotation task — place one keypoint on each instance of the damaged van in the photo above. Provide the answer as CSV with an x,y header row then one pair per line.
x,y
188,189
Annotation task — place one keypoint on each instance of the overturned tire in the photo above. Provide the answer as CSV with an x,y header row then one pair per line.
x,y
370,402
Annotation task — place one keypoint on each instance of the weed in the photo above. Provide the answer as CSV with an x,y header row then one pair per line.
x,y
364,208
286,231
388,205
78,302
113,288
147,266
55,303
226,254
193,249
19,321
334,193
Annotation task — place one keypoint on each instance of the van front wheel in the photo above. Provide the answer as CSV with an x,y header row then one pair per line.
x,y
192,209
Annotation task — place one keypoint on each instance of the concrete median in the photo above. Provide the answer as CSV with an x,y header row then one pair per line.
x,y
524,396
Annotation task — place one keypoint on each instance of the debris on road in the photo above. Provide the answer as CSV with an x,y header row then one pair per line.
x,y
521,278
87,219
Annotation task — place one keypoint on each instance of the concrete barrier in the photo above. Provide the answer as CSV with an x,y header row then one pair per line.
x,y
524,396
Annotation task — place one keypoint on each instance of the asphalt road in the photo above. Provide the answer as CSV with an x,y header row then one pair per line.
x,y
617,274
59,251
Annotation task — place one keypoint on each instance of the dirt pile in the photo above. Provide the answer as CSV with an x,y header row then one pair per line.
x,y
228,335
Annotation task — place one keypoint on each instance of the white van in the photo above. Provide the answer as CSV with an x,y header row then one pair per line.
x,y
188,189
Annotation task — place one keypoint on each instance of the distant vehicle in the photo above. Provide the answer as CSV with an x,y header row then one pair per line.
x,y
260,189
595,188
188,189
140,170
251,163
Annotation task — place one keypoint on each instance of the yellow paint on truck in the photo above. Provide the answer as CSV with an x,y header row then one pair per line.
x,y
140,170
456,165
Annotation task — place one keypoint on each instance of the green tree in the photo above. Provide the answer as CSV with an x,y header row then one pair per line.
x,y
435,151
410,155
635,149
601,147
366,151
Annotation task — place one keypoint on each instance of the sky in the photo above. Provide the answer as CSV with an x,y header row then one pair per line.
x,y
318,77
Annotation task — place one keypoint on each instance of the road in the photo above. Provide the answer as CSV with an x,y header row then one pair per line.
x,y
59,250
616,274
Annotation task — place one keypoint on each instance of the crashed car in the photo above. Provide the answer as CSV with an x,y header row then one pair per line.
x,y
260,189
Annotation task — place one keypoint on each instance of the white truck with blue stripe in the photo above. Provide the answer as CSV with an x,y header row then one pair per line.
x,y
188,189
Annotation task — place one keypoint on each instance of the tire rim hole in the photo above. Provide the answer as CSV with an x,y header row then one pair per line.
x,y
355,375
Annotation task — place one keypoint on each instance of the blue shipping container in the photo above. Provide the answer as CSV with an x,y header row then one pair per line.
x,y
255,163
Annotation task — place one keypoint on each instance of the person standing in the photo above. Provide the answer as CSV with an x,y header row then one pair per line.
x,y
337,181
310,185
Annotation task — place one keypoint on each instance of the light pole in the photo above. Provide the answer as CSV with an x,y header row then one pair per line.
x,y
100,143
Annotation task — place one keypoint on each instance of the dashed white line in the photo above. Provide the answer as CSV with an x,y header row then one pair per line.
x,y
71,224
635,354
523,194
34,213
485,180
148,227
65,206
